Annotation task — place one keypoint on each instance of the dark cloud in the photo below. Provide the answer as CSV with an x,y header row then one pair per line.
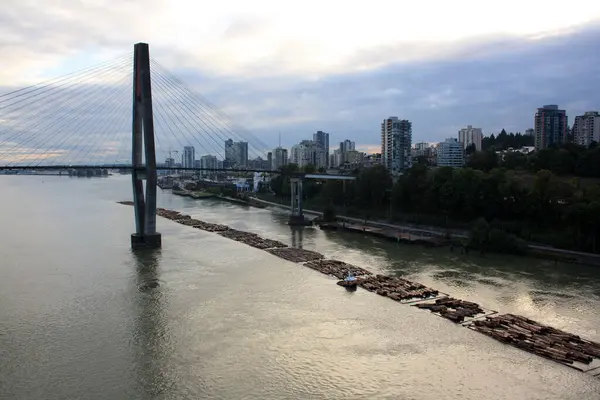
x,y
493,85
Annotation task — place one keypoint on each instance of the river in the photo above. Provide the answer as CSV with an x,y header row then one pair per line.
x,y
79,318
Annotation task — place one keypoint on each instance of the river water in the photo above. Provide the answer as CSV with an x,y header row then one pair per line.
x,y
79,318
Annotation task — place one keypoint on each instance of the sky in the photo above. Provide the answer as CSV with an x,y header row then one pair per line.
x,y
292,68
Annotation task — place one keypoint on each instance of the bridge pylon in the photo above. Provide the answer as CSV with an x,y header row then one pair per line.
x,y
143,147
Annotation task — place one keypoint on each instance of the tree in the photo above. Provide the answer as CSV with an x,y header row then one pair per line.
x,y
470,149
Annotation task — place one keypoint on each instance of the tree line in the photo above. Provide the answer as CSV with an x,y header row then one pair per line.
x,y
567,159
507,205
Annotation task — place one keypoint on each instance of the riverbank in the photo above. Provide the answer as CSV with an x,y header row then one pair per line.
x,y
515,330
420,235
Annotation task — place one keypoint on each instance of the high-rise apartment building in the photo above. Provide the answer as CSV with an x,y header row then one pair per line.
x,y
280,158
469,135
550,126
396,137
188,157
586,128
307,152
321,139
236,153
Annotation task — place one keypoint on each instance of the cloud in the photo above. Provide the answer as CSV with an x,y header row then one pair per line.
x,y
491,90
296,68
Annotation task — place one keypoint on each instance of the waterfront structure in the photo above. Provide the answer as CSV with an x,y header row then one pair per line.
x,y
450,153
396,137
550,126
586,128
469,135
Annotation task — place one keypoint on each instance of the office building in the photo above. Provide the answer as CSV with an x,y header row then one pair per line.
x,y
450,153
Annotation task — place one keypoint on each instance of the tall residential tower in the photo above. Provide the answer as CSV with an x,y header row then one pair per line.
x,y
396,140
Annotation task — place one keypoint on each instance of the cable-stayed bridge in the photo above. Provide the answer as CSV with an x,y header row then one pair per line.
x,y
127,114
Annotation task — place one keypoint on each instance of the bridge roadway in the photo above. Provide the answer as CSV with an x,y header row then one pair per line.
x,y
142,169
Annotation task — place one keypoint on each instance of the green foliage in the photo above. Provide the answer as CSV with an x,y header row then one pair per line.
x,y
506,140
568,159
329,214
543,209
488,238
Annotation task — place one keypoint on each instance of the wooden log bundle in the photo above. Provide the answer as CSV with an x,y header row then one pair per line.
x,y
336,268
395,288
538,338
251,239
453,309
296,255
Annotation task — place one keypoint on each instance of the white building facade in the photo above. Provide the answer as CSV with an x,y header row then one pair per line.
x,y
586,128
470,135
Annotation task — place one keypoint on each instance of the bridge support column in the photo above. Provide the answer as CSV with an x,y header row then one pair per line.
x,y
297,212
145,235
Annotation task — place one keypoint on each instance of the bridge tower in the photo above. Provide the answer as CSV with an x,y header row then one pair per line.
x,y
143,155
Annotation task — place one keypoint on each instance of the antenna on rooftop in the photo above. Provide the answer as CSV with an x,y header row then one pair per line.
x,y
279,139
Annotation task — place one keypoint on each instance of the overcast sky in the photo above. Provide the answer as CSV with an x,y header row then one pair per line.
x,y
295,67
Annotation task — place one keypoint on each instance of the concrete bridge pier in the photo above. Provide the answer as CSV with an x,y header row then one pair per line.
x,y
145,235
297,213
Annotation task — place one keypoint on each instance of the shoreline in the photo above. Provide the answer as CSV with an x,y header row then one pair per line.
x,y
399,231
521,332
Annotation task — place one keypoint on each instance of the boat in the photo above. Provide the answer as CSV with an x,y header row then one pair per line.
x,y
349,282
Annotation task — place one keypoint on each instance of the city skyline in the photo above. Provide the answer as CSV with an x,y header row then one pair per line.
x,y
491,75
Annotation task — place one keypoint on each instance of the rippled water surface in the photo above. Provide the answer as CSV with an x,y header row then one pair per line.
x,y
82,317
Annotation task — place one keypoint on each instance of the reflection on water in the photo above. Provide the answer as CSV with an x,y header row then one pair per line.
x,y
297,236
151,338
81,316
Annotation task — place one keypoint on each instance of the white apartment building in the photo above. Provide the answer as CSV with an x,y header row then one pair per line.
x,y
396,139
586,128
470,135
450,153
188,157
307,152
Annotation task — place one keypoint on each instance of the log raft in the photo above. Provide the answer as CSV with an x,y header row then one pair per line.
x,y
515,330
453,309
539,339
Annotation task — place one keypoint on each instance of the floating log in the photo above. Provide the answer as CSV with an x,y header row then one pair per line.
x,y
296,255
453,309
251,239
399,288
539,339
336,268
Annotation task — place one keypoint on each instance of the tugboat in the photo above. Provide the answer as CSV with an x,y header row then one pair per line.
x,y
349,282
